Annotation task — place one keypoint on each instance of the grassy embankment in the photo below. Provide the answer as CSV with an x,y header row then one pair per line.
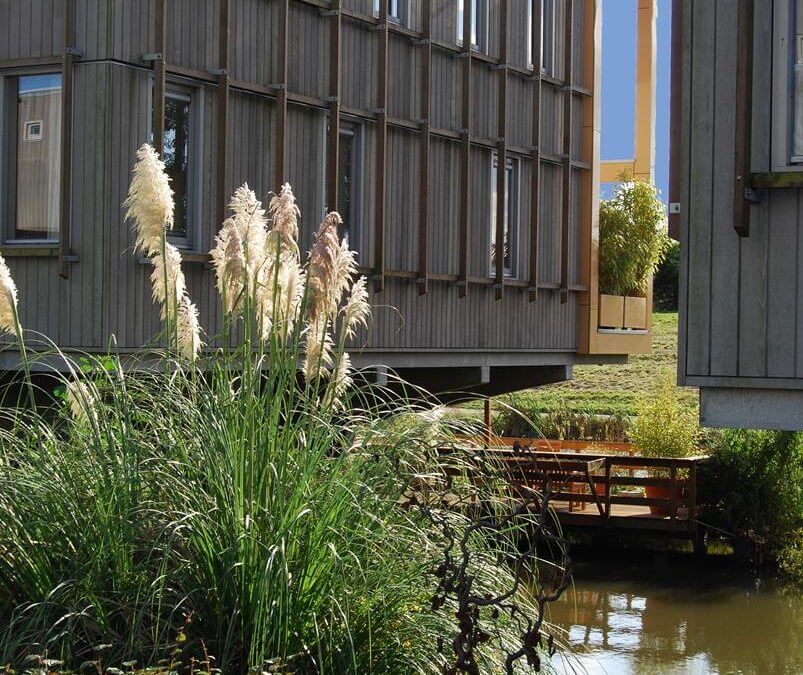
x,y
615,389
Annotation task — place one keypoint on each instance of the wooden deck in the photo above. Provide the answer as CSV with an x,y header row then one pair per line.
x,y
617,491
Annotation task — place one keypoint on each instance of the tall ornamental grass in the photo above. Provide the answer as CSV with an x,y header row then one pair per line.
x,y
238,507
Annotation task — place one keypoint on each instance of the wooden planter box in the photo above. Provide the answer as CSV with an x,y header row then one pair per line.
x,y
620,312
611,311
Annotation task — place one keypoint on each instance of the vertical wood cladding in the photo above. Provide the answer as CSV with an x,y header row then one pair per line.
x,y
741,297
283,87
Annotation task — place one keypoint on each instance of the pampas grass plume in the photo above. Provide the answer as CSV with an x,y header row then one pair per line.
x,y
167,280
8,299
188,329
150,201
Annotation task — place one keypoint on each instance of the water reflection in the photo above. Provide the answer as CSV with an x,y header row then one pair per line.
x,y
667,615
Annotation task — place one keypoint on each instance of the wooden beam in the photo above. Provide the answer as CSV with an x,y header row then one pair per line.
x,y
223,113
501,164
590,181
465,165
381,148
281,96
423,175
611,169
160,40
644,165
334,106
65,202
744,117
535,169
675,118
566,193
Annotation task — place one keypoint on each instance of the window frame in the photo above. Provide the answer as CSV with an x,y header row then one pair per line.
x,y
783,88
179,87
8,156
354,129
401,15
547,37
478,25
512,208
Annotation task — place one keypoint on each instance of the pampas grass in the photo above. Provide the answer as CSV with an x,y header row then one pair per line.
x,y
8,300
236,510
150,201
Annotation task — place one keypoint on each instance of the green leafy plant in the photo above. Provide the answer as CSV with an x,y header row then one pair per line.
x,y
247,502
632,238
752,488
666,280
790,558
663,426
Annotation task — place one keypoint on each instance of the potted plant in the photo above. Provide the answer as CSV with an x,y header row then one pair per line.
x,y
664,428
632,243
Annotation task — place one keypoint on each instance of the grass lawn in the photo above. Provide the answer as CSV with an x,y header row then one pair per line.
x,y
615,389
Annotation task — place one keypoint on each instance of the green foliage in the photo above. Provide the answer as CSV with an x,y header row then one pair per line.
x,y
663,427
613,390
532,420
665,282
753,488
632,238
790,558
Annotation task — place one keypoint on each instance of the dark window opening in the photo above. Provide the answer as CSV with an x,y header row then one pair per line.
x,y
176,155
32,157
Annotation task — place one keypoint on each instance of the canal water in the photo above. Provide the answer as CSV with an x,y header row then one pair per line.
x,y
668,614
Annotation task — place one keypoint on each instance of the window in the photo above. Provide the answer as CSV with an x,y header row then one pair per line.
x,y
547,37
179,153
348,181
511,215
479,23
33,131
31,167
787,97
397,10
176,155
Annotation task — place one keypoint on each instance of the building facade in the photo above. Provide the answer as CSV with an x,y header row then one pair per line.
x,y
739,104
437,128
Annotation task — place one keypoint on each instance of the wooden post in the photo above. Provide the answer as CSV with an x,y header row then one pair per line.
x,y
501,163
65,202
607,488
675,117
744,117
590,181
281,96
566,216
423,176
644,161
223,113
160,27
334,107
488,423
535,169
673,490
691,497
381,149
465,165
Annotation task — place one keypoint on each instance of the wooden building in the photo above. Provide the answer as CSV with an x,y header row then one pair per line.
x,y
738,183
436,127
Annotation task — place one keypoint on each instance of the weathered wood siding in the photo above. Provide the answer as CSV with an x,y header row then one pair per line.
x,y
108,292
741,298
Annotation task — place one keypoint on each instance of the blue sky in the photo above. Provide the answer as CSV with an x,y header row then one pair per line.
x,y
618,84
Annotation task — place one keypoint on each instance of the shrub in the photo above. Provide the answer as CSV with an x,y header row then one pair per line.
x,y
222,504
790,559
529,420
752,488
665,282
632,238
663,426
